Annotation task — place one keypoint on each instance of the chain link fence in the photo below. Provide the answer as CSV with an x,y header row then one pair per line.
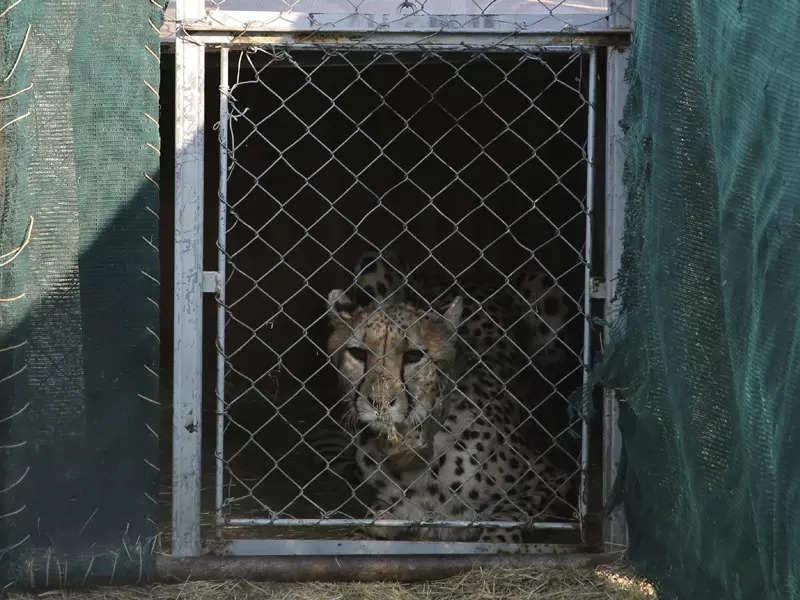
x,y
461,172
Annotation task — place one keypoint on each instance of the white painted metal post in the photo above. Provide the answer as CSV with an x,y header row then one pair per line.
x,y
614,527
622,14
188,290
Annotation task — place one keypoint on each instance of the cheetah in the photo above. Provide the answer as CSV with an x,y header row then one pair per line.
x,y
438,425
532,299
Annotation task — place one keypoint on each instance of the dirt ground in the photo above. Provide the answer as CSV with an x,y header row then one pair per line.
x,y
612,582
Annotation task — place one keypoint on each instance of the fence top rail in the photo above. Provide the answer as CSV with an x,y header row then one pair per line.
x,y
374,19
484,42
307,21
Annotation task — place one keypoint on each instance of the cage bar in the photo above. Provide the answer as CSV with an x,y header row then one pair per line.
x,y
615,529
260,522
402,40
222,227
188,291
587,297
322,547
533,17
360,568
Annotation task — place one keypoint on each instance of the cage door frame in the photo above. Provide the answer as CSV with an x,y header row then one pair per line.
x,y
191,282
187,393
582,505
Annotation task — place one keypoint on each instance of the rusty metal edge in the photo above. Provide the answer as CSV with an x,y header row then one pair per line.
x,y
406,569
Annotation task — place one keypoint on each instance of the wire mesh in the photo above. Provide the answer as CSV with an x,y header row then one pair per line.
x,y
463,172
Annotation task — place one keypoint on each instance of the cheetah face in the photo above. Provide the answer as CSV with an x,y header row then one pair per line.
x,y
394,360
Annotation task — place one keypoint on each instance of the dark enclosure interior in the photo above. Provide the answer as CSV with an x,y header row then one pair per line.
x,y
470,166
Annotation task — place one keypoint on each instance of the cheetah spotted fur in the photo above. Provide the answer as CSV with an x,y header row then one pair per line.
x,y
438,423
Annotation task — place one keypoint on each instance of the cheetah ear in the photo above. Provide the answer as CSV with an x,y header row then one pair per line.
x,y
340,305
453,313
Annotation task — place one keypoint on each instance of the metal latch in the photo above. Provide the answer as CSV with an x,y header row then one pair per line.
x,y
597,288
211,281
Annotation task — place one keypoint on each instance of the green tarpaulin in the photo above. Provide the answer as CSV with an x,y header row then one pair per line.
x,y
79,165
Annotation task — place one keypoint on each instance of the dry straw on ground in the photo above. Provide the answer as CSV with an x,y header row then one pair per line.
x,y
613,582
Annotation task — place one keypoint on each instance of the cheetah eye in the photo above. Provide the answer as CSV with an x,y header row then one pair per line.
x,y
413,356
360,354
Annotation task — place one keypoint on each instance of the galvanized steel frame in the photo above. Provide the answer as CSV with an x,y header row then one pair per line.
x,y
188,287
618,19
615,531
191,281
243,21
584,457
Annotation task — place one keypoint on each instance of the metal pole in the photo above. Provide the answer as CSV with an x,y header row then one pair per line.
x,y
188,291
614,530
587,298
222,227
362,547
262,521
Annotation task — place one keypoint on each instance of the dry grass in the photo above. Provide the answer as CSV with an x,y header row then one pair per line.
x,y
614,582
